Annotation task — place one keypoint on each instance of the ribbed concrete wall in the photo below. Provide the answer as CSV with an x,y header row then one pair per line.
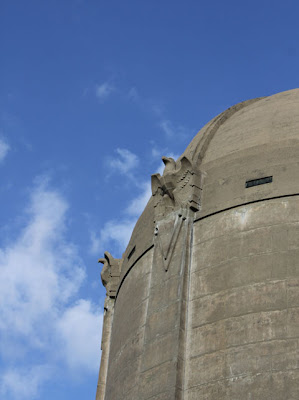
x,y
128,332
243,326
204,304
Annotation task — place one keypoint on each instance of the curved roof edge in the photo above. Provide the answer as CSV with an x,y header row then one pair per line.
x,y
222,179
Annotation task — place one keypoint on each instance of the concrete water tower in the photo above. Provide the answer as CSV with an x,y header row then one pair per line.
x,y
204,304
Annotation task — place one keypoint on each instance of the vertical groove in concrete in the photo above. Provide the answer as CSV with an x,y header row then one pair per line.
x,y
183,333
143,339
164,346
187,330
222,322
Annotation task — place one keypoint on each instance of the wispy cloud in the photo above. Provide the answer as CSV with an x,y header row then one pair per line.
x,y
41,273
24,383
124,162
4,148
37,269
154,107
158,111
133,94
114,236
155,153
79,328
137,205
104,90
172,130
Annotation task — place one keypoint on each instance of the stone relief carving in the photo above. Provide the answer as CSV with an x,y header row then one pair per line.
x,y
166,234
110,273
177,196
178,187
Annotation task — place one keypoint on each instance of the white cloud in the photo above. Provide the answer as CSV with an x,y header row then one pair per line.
x,y
167,128
156,153
41,273
114,236
4,148
23,383
79,329
40,270
124,163
104,90
137,205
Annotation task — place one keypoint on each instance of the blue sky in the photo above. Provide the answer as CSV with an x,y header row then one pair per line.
x,y
92,94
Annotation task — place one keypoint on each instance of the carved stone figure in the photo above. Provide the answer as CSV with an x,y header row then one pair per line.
x,y
110,273
176,193
179,187
208,302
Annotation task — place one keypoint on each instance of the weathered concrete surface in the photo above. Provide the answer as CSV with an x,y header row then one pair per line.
x,y
128,331
207,299
105,346
261,139
243,326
